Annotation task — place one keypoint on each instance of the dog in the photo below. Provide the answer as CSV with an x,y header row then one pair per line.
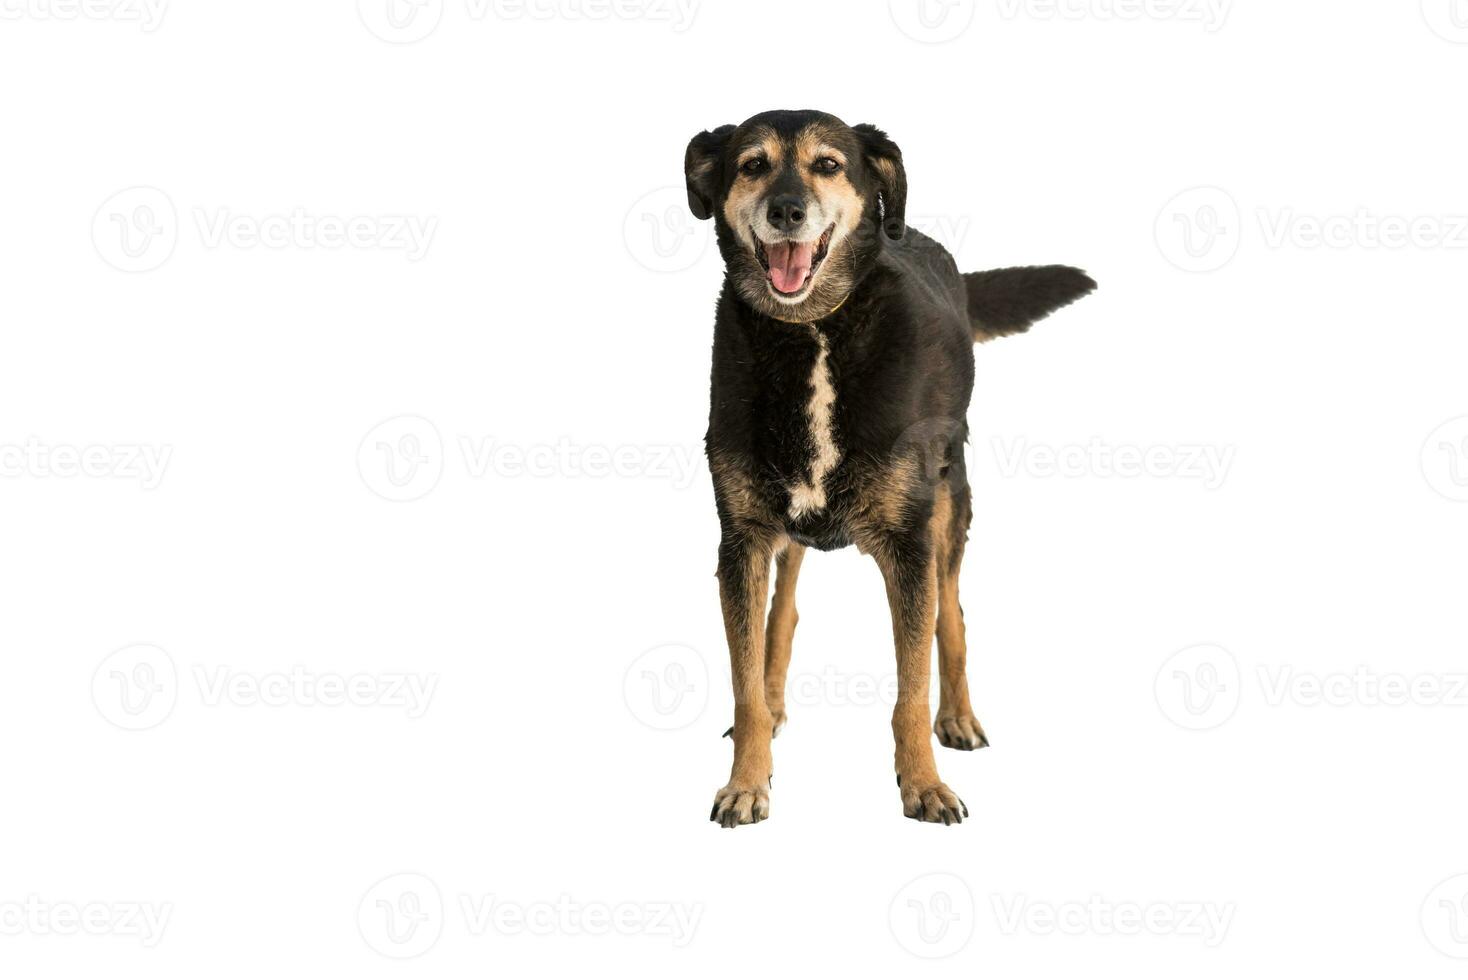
x,y
843,363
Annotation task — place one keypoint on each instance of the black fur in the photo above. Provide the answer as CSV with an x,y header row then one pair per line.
x,y
894,322
901,361
1007,301
900,345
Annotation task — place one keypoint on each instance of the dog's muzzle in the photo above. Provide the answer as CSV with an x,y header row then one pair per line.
x,y
792,265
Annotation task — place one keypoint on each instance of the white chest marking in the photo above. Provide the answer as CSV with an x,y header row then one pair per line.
x,y
810,496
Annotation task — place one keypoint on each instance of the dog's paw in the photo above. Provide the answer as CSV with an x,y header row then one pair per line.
x,y
935,803
960,732
735,805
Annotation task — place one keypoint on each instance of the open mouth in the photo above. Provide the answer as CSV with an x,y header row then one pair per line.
x,y
792,265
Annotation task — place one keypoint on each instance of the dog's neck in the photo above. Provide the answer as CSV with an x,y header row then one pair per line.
x,y
816,319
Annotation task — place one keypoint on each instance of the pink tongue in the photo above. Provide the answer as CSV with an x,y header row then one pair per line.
x,y
789,264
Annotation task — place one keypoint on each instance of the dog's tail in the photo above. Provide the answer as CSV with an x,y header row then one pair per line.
x,y
1006,301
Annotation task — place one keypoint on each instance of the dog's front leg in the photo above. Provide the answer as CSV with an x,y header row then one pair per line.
x,y
910,570
744,579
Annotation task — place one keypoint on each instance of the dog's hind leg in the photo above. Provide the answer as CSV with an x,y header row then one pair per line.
x,y
955,726
781,631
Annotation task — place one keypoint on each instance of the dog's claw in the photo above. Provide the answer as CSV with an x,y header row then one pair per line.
x,y
936,804
735,806
961,732
729,733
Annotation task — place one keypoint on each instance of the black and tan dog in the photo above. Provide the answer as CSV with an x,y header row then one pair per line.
x,y
843,366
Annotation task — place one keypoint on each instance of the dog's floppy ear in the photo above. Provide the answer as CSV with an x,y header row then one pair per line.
x,y
701,166
885,161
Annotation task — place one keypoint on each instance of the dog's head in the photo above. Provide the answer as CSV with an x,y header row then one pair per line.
x,y
801,202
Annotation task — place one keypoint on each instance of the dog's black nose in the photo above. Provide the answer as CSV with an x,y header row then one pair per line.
x,y
786,212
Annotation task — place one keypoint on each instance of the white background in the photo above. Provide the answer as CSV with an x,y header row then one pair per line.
x,y
566,619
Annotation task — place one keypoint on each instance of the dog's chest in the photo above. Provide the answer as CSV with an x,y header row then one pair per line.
x,y
800,419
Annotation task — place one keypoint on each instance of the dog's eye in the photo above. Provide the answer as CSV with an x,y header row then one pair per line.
x,y
828,165
753,165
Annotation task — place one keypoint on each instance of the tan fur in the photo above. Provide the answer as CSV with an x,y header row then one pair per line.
x,y
808,497
780,632
955,726
736,489
913,604
748,192
837,196
746,797
887,502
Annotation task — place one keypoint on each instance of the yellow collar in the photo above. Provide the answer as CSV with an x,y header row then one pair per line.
x,y
814,319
